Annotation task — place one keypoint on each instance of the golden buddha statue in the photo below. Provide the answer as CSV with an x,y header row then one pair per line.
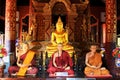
x,y
59,36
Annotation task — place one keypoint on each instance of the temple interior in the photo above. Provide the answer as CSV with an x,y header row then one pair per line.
x,y
43,24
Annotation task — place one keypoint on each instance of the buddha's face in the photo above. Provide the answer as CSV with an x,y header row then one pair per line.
x,y
59,27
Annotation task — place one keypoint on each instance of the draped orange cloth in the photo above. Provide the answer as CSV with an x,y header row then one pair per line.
x,y
95,61
27,60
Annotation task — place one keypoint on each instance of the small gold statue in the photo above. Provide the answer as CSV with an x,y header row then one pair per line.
x,y
59,36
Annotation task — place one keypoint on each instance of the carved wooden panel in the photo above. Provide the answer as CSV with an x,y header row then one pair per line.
x,y
82,23
59,9
40,27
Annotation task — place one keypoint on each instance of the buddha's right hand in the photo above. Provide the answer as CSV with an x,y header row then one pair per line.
x,y
65,43
54,43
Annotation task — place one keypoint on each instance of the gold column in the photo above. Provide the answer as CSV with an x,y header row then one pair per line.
x,y
10,24
110,24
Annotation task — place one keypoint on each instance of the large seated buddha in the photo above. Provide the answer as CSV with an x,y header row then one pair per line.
x,y
59,35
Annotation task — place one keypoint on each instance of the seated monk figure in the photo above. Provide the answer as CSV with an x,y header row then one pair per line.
x,y
94,62
25,62
59,36
60,62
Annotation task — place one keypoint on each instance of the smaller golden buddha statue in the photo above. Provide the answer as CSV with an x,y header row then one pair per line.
x,y
59,36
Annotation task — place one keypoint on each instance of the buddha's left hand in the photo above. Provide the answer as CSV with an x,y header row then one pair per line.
x,y
64,43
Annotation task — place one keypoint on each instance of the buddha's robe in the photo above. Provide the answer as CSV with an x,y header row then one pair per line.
x,y
57,38
14,69
94,61
61,61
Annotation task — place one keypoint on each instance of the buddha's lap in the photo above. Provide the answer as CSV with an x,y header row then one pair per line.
x,y
65,47
50,52
50,49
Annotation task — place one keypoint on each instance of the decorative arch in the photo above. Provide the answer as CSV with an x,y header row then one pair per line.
x,y
67,3
59,9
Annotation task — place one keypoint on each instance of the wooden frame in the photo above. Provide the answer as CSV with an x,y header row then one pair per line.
x,y
118,40
1,39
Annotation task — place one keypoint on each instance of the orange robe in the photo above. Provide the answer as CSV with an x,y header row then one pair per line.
x,y
94,61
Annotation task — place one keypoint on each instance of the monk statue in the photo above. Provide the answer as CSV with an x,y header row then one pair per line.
x,y
94,63
60,62
59,36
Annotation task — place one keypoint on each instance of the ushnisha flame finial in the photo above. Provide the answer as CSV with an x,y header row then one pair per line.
x,y
59,20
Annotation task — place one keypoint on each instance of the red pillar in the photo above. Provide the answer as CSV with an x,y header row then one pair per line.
x,y
31,15
10,24
110,25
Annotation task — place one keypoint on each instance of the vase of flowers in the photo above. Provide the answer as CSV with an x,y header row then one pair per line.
x,y
3,53
116,54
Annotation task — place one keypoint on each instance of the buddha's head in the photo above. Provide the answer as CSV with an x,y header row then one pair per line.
x,y
59,25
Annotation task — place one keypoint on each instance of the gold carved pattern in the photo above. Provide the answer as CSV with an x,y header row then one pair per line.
x,y
48,30
10,19
110,19
67,3
82,21
38,7
10,16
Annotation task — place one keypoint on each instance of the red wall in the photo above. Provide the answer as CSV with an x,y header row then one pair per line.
x,y
23,10
96,11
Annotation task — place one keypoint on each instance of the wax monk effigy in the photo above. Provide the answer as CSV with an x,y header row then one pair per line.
x,y
25,62
60,62
94,62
